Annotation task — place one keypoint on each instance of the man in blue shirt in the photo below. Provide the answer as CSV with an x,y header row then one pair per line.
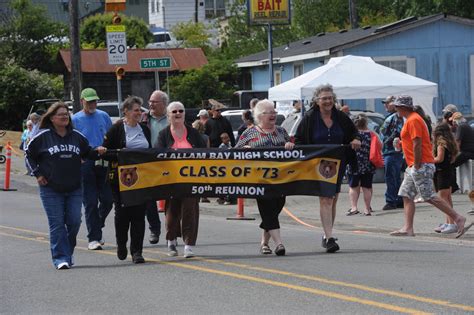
x,y
97,195
393,159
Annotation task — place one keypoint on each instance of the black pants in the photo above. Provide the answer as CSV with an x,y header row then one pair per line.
x,y
132,218
269,210
153,218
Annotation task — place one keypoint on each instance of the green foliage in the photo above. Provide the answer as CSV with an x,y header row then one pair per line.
x,y
93,34
193,35
215,80
30,36
19,87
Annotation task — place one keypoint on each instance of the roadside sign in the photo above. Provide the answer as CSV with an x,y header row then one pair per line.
x,y
155,63
116,44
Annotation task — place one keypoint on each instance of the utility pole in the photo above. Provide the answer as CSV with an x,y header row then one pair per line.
x,y
76,74
353,14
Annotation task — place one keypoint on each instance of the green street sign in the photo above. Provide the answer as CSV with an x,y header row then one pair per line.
x,y
155,63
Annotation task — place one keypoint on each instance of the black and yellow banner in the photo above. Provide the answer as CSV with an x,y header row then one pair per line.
x,y
153,174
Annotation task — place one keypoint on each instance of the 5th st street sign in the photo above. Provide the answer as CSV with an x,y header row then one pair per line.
x,y
116,44
155,63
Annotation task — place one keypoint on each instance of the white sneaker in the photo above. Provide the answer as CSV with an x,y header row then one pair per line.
x,y
440,227
188,252
449,229
94,245
62,266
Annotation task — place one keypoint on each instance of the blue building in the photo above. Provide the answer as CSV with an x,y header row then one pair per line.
x,y
438,48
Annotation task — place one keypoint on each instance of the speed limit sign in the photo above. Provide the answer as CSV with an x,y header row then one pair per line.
x,y
116,44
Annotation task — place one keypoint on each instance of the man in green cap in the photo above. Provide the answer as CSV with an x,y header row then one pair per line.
x,y
97,195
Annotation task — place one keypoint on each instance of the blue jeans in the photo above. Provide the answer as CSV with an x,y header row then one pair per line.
x,y
64,218
393,167
97,198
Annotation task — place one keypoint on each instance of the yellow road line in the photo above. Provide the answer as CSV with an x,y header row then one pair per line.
x,y
333,295
312,278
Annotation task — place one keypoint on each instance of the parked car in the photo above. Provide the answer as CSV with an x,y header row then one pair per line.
x,y
112,108
162,39
235,119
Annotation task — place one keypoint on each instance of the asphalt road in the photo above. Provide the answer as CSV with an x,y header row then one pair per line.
x,y
372,274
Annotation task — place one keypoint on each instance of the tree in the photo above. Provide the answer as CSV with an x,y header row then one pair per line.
x,y
30,36
19,87
214,80
193,35
93,34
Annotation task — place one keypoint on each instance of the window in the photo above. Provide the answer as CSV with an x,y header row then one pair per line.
x,y
153,6
214,8
400,63
297,69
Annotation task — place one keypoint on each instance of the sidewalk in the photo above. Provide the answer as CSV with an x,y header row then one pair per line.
x,y
306,209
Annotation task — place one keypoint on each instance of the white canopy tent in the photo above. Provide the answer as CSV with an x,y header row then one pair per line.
x,y
355,77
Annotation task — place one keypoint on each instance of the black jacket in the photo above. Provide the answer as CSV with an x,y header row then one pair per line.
x,y
58,158
165,139
215,127
304,133
115,139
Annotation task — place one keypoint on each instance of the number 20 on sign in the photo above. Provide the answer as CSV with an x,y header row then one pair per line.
x,y
116,44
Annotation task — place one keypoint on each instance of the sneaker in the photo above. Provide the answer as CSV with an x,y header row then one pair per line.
x,y
205,200
449,229
331,245
389,207
227,203
94,245
154,238
122,252
323,242
63,266
220,201
138,259
440,228
172,251
280,250
188,252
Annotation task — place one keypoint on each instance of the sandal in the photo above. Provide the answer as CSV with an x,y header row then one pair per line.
x,y
265,249
350,212
280,250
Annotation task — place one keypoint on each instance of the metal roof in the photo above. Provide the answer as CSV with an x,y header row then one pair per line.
x,y
96,60
325,44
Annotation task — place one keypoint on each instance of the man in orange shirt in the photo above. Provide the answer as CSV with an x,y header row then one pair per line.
x,y
418,178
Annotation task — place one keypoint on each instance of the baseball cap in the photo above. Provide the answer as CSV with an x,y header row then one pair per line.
x,y
403,101
388,99
89,94
450,108
215,104
203,112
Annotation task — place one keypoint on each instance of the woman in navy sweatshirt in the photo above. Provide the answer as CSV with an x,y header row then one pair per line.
x,y
54,156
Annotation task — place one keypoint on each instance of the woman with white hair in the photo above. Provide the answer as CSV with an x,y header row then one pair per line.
x,y
265,133
182,214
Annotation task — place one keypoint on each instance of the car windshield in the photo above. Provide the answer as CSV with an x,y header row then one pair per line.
x,y
112,110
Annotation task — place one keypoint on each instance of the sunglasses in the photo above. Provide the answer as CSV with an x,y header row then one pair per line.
x,y
178,111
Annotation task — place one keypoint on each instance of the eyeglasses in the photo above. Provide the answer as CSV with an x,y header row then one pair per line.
x,y
326,98
178,111
62,115
155,102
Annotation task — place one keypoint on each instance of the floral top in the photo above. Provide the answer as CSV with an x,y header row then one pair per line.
x,y
255,138
363,156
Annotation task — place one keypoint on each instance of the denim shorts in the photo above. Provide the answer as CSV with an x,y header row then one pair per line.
x,y
418,182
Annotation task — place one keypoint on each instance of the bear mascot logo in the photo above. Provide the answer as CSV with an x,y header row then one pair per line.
x,y
327,168
128,176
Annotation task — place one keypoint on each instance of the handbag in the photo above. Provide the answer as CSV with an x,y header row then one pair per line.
x,y
375,156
